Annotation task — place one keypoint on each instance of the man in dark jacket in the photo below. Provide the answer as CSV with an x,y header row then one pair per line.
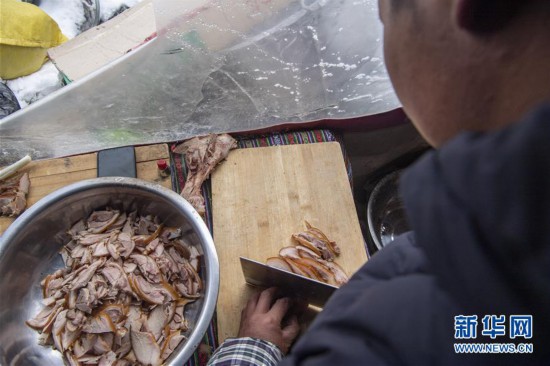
x,y
473,75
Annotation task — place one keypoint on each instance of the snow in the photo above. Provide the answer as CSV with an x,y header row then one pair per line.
x,y
30,88
70,16
109,7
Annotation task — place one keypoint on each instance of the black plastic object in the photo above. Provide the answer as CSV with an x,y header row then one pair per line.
x,y
119,162
8,101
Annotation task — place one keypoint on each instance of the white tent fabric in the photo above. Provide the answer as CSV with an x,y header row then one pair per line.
x,y
217,66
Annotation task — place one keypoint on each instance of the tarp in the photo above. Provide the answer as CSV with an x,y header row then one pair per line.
x,y
217,66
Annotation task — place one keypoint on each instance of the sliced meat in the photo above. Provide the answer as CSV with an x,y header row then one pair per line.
x,y
58,328
117,312
323,272
148,267
43,317
302,269
13,193
45,339
159,249
68,338
99,289
48,327
78,251
122,362
113,247
24,183
278,262
314,244
100,221
334,248
159,317
126,243
100,249
340,275
194,282
103,344
77,228
84,344
52,285
146,291
289,252
170,344
75,320
84,300
116,276
296,268
124,346
170,233
49,301
307,253
145,348
135,318
146,225
128,227
116,301
71,359
178,320
68,260
129,267
108,359
152,246
89,359
91,239
119,223
101,323
194,257
86,257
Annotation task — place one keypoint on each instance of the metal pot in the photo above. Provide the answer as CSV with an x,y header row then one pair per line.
x,y
385,212
29,251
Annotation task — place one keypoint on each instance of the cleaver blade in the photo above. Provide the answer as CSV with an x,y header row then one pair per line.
x,y
260,275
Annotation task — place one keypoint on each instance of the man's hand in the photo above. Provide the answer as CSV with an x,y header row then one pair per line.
x,y
262,318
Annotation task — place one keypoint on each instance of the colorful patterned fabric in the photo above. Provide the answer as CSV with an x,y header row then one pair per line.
x,y
179,174
246,352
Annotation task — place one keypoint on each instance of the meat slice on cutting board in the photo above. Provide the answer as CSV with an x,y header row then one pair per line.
x,y
313,257
13,195
202,154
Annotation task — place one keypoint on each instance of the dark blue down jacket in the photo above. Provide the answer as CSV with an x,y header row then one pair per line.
x,y
480,211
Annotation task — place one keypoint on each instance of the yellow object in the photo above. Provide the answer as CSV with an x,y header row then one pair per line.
x,y
26,33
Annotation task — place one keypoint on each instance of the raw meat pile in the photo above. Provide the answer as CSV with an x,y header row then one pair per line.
x,y
202,154
313,257
120,300
13,195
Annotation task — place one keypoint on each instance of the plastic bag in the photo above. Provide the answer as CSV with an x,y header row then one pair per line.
x,y
217,66
26,32
8,101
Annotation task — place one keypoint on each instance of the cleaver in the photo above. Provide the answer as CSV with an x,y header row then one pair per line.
x,y
260,275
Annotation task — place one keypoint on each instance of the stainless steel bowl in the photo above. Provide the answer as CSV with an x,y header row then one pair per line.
x,y
29,251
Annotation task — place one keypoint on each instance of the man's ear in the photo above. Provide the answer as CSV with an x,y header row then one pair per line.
x,y
486,16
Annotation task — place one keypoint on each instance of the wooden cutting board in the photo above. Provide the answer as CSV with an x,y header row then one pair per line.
x,y
49,175
261,196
